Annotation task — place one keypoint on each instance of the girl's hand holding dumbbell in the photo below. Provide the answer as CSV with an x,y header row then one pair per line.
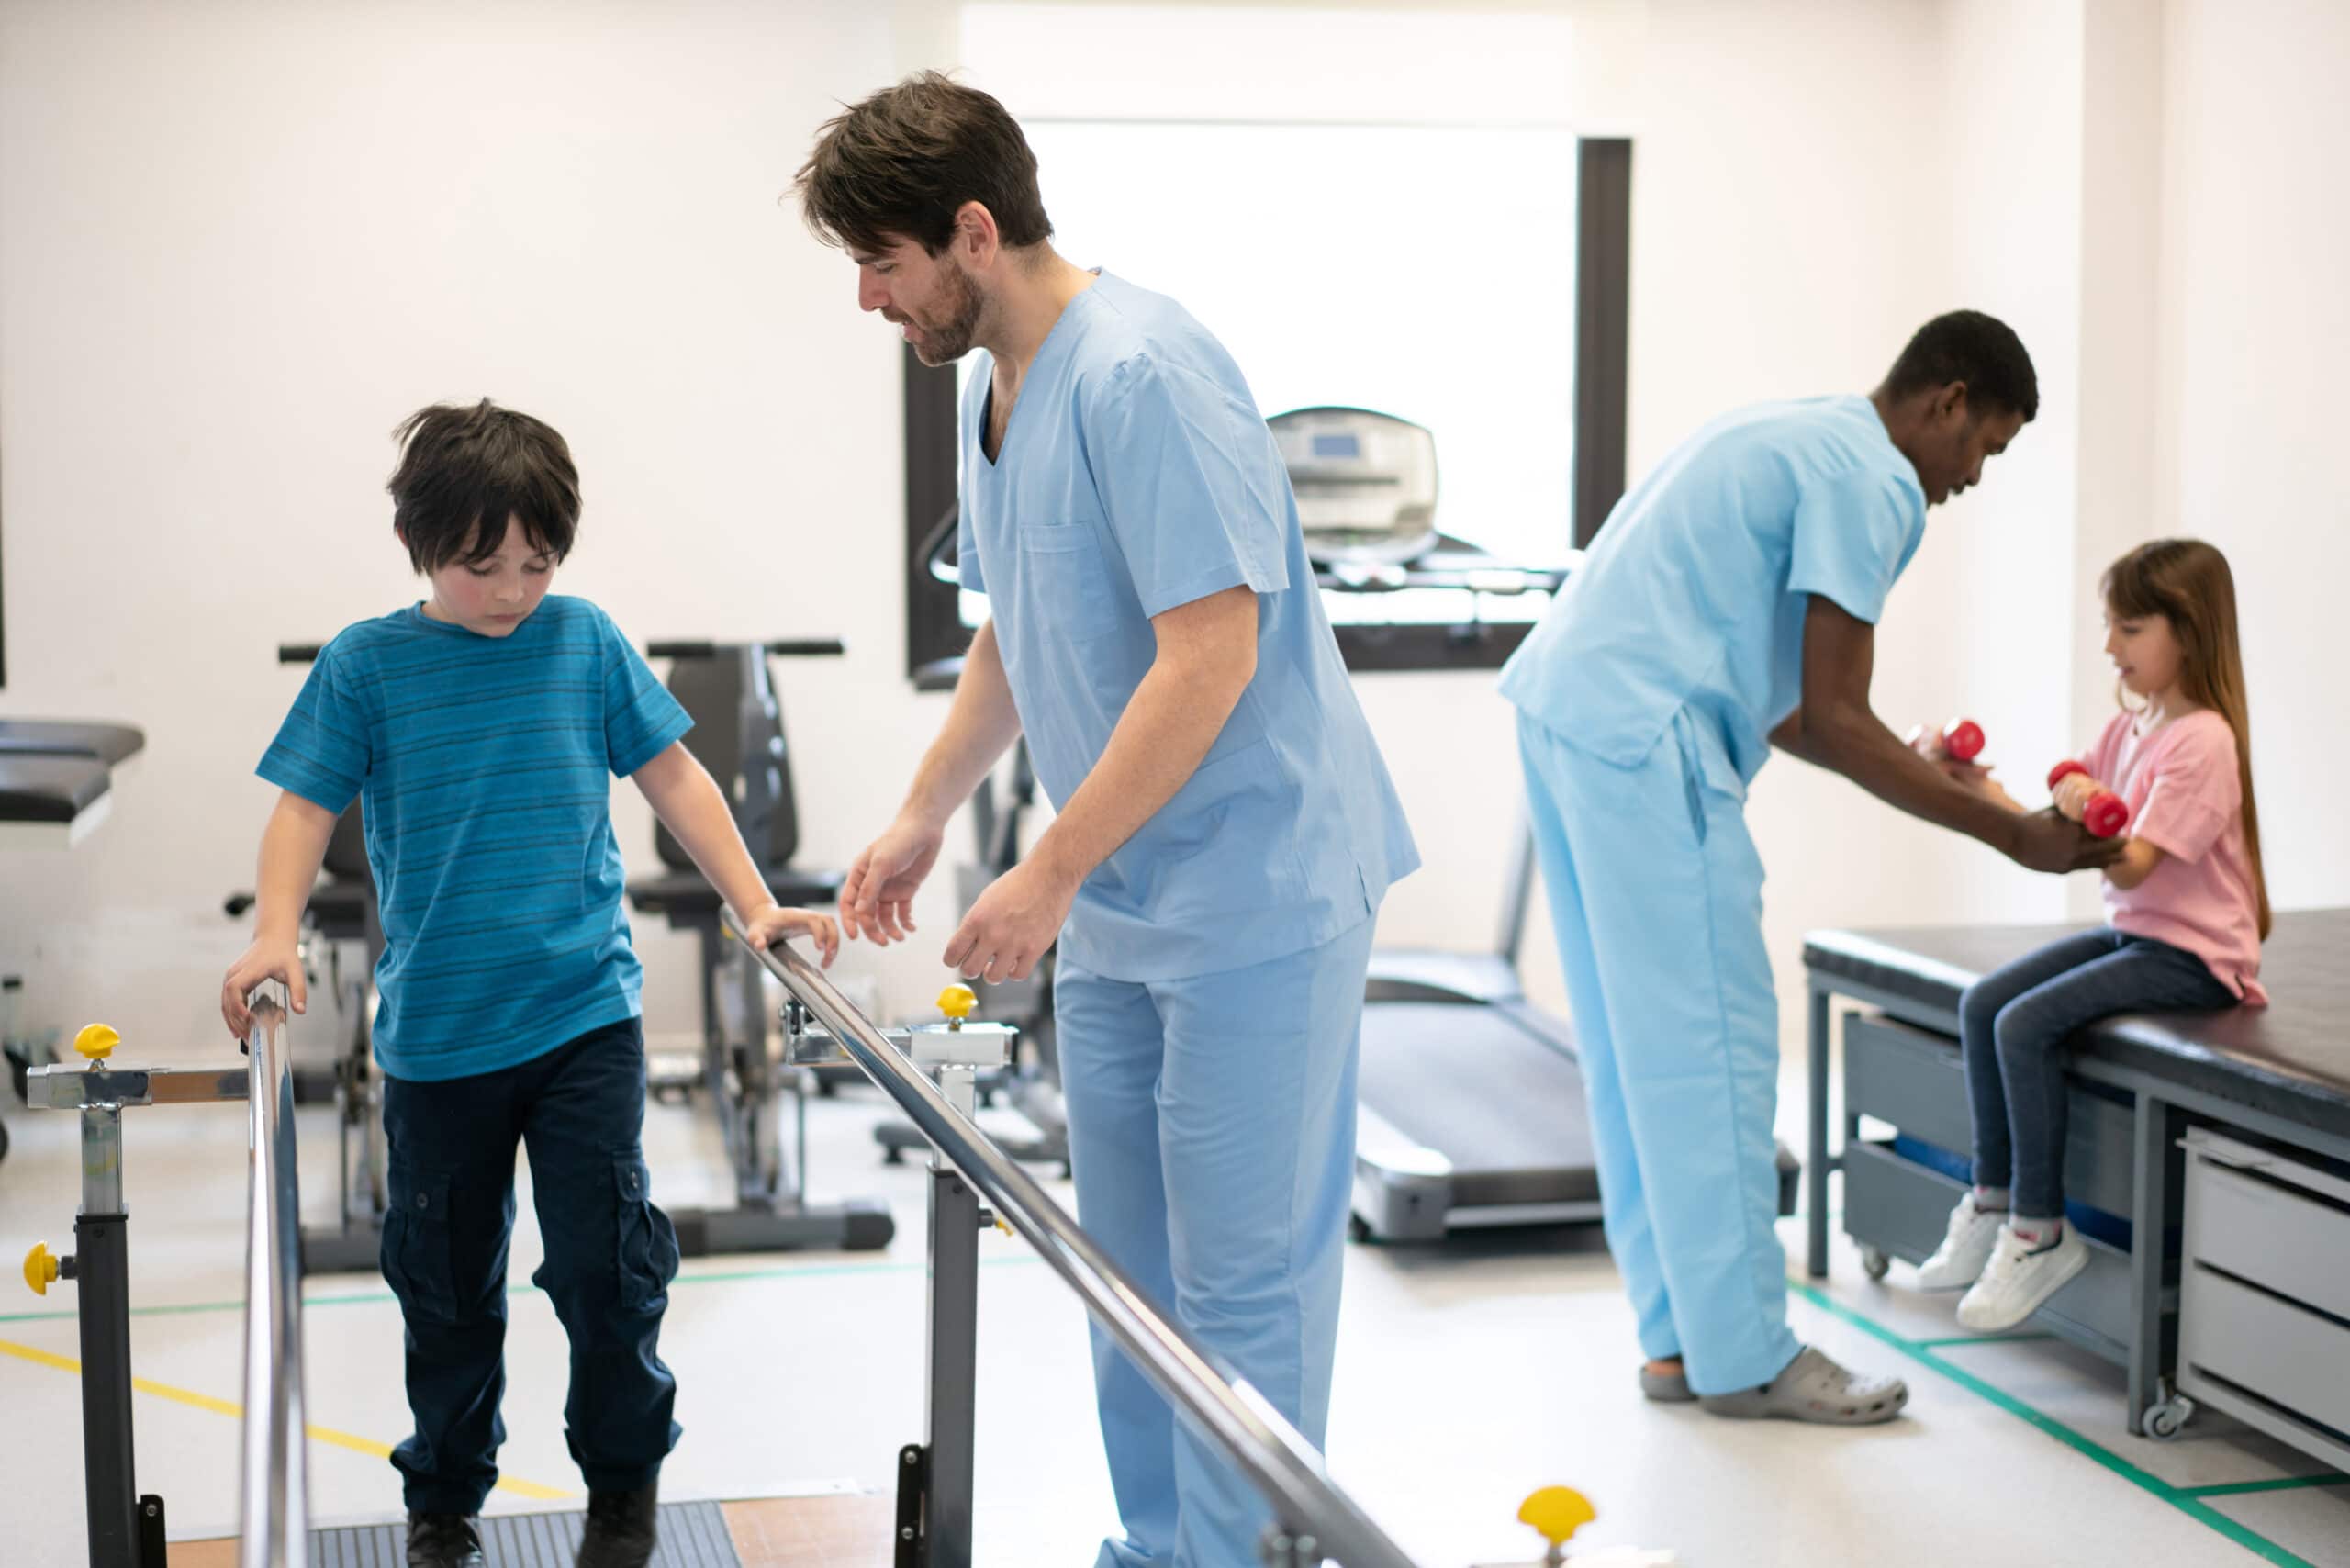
x,y
2087,801
2071,795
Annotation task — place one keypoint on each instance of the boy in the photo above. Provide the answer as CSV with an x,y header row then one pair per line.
x,y
477,727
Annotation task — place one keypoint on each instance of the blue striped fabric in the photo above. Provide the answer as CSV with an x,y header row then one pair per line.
x,y
483,767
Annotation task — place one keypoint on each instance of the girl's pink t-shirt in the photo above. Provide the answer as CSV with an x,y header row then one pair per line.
x,y
2186,799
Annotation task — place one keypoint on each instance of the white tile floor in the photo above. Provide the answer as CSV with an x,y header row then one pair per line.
x,y
1469,1375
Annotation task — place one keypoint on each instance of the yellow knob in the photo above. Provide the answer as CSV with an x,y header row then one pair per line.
x,y
1556,1513
40,1267
96,1041
956,1002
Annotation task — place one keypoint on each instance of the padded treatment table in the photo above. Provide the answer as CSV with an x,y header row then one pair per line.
x,y
113,745
56,777
2206,1155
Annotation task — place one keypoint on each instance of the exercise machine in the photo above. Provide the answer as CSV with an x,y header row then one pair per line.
x,y
738,736
341,942
1471,1100
1471,1111
343,922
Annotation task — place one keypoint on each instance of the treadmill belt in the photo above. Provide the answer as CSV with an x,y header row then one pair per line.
x,y
1503,1106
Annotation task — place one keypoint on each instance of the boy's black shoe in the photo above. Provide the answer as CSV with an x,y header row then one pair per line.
x,y
620,1531
444,1540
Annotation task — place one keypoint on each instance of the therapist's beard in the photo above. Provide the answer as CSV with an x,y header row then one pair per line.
x,y
945,345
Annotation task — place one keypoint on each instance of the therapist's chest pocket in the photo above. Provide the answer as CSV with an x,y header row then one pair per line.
x,y
1072,583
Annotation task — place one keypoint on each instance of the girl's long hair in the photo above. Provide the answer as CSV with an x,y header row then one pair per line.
x,y
2187,583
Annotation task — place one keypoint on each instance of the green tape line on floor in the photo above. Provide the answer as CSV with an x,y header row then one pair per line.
x,y
2282,1484
2185,1501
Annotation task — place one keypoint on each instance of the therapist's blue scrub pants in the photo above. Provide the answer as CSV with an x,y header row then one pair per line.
x,y
1212,1132
1656,898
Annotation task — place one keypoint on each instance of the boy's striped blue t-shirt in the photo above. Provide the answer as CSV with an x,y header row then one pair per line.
x,y
483,767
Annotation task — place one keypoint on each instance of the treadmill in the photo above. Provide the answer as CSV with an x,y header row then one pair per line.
x,y
1471,1100
1471,1107
1471,1104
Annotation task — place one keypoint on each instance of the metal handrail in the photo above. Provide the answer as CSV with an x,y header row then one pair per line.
x,y
1320,1520
275,1491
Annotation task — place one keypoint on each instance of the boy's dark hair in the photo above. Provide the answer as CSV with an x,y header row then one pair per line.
x,y
465,471
901,164
1982,351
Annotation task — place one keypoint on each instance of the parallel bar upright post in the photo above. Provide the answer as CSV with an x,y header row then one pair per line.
x,y
954,1350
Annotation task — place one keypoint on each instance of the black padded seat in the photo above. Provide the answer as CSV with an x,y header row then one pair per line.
x,y
687,899
112,744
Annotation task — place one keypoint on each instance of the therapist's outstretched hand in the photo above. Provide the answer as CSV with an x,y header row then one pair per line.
x,y
1012,925
2046,841
877,899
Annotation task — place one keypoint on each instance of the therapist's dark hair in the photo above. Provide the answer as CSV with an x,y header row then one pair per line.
x,y
1982,351
901,165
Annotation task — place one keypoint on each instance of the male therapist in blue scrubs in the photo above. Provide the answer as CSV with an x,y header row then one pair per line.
x,y
1226,827
1729,606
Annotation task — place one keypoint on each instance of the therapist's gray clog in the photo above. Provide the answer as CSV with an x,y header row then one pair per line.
x,y
1814,1388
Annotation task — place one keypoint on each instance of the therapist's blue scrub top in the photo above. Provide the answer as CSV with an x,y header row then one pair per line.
x,y
1693,594
1137,476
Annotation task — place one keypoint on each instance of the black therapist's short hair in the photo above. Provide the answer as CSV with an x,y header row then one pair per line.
x,y
1982,351
465,471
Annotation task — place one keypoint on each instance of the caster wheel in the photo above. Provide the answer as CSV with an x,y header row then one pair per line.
x,y
1874,1262
2165,1420
1358,1228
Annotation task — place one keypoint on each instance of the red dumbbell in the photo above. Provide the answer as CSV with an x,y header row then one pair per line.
x,y
1960,740
2106,813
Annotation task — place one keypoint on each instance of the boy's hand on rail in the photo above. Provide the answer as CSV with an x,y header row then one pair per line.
x,y
877,900
773,925
268,958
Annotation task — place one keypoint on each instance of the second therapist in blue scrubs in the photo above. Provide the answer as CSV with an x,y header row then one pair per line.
x,y
1729,607
1226,827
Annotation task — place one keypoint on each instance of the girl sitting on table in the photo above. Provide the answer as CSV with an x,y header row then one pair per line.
x,y
2186,909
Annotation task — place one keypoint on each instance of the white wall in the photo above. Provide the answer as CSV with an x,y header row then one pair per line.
x,y
2255,334
1791,227
2010,109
